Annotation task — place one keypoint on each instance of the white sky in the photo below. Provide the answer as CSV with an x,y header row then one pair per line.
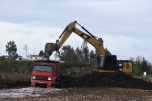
x,y
124,25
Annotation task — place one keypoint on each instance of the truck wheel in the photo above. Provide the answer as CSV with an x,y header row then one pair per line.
x,y
59,83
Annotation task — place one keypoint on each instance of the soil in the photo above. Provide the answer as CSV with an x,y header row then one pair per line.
x,y
90,87
92,94
116,79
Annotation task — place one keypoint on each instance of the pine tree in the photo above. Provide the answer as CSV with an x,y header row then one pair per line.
x,y
11,49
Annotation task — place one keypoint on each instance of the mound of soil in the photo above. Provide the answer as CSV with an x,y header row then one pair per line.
x,y
96,79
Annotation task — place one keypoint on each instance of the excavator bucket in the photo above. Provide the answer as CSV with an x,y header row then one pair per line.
x,y
48,48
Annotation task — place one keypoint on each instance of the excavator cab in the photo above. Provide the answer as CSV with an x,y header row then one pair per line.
x,y
108,63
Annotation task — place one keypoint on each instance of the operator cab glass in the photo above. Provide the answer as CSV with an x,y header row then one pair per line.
x,y
108,62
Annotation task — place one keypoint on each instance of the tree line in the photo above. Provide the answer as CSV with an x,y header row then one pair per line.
x,y
140,65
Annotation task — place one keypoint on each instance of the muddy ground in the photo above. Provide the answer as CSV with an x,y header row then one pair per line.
x,y
88,87
90,94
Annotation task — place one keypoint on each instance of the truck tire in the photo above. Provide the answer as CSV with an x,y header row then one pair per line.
x,y
59,83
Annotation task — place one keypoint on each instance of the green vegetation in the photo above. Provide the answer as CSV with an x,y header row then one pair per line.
x,y
140,65
11,49
75,64
7,66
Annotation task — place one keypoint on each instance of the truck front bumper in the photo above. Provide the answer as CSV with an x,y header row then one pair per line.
x,y
48,83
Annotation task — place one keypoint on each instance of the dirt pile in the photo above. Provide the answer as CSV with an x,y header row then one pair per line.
x,y
117,79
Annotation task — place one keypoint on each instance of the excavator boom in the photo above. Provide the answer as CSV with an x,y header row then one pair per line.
x,y
97,43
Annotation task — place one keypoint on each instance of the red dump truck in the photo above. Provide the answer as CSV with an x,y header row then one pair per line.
x,y
46,73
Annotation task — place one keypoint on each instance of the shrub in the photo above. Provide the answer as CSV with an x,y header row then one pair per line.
x,y
7,66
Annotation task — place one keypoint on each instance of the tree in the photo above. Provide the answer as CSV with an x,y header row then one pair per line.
x,y
93,58
79,54
135,66
11,49
85,50
26,49
73,54
140,65
65,54
92,54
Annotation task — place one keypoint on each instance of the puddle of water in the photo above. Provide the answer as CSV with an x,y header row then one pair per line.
x,y
27,92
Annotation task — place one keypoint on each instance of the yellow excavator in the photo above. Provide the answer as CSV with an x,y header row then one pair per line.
x,y
106,63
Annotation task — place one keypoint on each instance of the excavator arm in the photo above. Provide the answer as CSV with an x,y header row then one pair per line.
x,y
96,42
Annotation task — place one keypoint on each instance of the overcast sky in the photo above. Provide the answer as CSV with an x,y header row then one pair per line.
x,y
124,25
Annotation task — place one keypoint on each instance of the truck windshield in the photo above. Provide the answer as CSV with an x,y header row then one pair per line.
x,y
43,68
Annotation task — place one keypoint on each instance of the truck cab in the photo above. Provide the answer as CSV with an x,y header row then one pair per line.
x,y
45,73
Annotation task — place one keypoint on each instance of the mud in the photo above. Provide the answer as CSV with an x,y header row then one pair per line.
x,y
28,92
81,94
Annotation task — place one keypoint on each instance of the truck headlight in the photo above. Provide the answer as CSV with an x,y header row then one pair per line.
x,y
49,78
33,77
